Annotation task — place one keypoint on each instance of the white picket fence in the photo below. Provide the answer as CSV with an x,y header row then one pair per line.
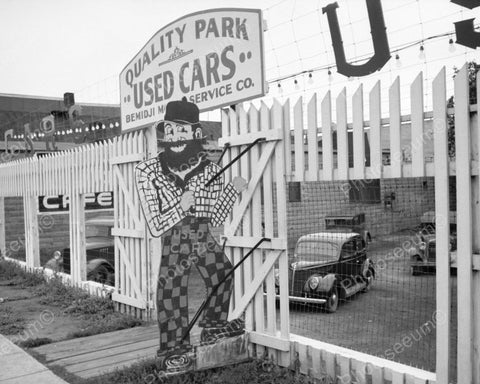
x,y
97,167
410,156
108,166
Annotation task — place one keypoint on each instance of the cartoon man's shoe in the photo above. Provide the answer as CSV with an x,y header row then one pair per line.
x,y
177,360
214,334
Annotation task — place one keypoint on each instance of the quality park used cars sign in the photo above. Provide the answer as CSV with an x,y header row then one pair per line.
x,y
214,58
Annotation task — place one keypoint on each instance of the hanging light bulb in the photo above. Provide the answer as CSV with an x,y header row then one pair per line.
x,y
297,87
310,78
421,55
398,62
280,90
451,46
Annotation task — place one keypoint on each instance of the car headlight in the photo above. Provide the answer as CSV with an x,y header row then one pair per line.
x,y
313,282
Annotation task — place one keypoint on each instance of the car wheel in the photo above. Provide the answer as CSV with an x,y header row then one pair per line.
x,y
332,302
369,277
102,274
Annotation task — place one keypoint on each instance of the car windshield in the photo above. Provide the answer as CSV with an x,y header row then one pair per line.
x,y
338,223
316,252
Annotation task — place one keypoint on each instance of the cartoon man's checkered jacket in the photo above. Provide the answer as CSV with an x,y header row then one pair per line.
x,y
160,193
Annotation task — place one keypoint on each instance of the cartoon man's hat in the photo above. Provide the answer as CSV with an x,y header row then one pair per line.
x,y
180,111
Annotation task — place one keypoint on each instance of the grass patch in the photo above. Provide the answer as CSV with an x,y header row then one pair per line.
x,y
36,342
98,314
10,322
19,276
253,372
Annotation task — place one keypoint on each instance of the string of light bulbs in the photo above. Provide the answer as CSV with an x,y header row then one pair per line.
x,y
395,53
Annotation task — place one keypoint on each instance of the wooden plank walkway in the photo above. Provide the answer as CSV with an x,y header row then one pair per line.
x,y
95,355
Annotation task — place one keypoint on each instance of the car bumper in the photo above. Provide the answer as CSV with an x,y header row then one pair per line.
x,y
303,299
421,264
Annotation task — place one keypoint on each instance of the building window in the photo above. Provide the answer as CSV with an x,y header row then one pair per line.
x,y
294,192
365,191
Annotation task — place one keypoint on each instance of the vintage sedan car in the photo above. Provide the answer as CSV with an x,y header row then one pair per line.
x,y
348,223
328,267
100,259
423,254
100,251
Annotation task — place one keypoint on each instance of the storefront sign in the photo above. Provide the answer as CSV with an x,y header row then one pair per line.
x,y
213,58
61,203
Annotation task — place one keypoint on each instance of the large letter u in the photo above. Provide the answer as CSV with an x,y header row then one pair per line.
x,y
379,37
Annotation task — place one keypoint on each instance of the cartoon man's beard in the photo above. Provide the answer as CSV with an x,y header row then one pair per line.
x,y
186,158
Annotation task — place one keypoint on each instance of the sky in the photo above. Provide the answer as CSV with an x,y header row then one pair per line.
x,y
50,47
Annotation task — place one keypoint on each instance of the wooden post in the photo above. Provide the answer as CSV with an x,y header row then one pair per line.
x,y
32,244
464,229
2,226
358,135
78,257
442,231
475,135
396,158
154,244
417,147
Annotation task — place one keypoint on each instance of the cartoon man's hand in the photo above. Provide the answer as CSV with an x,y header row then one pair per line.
x,y
239,183
187,200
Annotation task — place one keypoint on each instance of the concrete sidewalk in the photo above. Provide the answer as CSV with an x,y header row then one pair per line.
x,y
17,366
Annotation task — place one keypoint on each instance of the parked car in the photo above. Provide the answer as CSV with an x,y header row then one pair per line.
x,y
348,223
328,267
427,223
423,254
100,251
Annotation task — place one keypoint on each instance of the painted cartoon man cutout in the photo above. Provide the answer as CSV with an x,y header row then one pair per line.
x,y
180,207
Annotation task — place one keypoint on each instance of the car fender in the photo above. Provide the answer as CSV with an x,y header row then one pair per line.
x,y
326,283
366,236
95,263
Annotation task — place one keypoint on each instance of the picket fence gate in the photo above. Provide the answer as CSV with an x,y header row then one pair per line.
x,y
261,213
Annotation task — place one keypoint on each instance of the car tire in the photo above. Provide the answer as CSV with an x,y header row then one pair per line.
x,y
102,274
332,301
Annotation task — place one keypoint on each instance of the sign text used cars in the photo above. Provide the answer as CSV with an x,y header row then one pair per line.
x,y
213,58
